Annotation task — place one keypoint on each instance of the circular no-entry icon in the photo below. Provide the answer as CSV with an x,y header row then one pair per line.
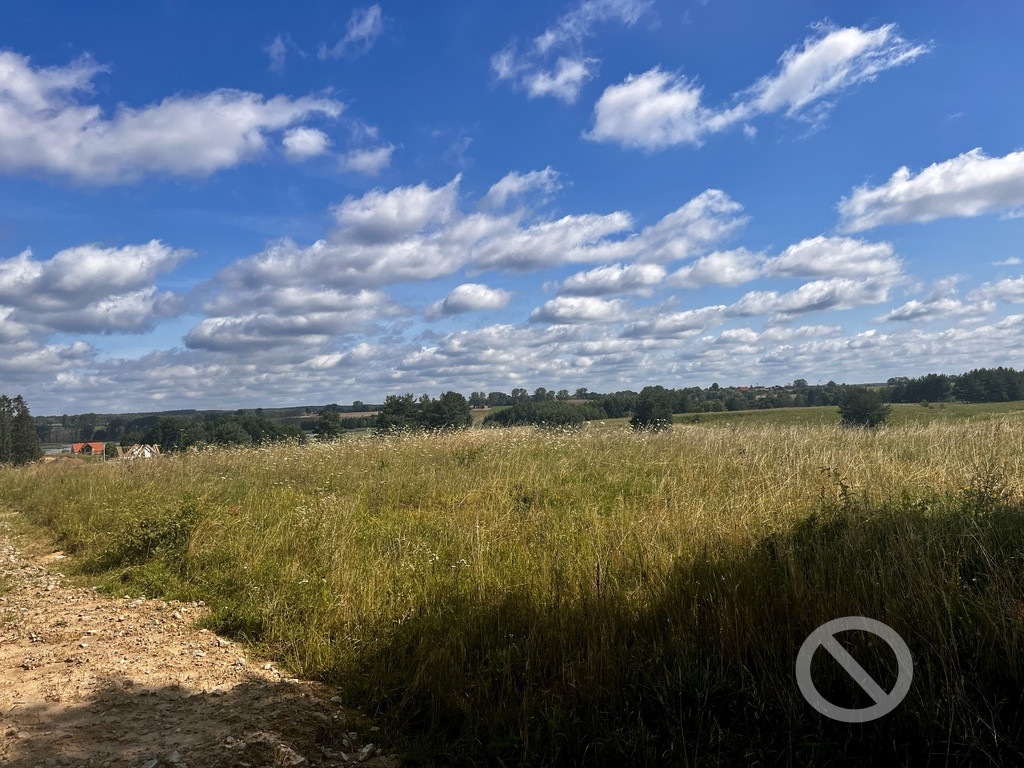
x,y
824,637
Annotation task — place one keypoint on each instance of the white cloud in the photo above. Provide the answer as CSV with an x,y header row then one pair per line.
x,y
578,23
1010,291
679,325
516,185
971,184
612,279
364,26
469,297
571,238
833,61
368,161
564,82
380,216
1012,261
87,289
530,69
579,309
659,109
292,316
690,230
719,268
77,276
303,143
815,296
935,308
650,111
834,257
45,125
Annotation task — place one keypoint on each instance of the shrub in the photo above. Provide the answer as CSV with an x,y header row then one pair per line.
x,y
862,407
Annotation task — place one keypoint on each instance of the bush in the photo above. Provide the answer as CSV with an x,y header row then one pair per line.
x,y
862,407
653,409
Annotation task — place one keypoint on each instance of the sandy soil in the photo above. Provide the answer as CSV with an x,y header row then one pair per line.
x,y
88,680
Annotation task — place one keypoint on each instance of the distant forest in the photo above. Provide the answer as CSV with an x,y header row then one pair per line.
x,y
178,430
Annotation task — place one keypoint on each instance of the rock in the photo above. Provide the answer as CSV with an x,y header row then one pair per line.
x,y
364,753
151,763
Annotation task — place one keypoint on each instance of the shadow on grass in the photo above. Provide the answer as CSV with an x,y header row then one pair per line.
x,y
697,667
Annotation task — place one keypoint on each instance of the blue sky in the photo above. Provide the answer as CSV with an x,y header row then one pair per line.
x,y
231,205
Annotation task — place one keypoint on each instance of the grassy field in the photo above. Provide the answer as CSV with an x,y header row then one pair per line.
x,y
516,596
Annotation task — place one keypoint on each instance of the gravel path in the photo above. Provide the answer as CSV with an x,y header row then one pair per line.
x,y
87,680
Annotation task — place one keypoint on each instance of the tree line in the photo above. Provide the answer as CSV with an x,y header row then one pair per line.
x,y
19,443
178,433
982,385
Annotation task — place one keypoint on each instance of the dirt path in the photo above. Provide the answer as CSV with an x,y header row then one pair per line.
x,y
87,680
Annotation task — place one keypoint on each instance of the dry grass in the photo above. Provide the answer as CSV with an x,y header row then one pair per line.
x,y
534,597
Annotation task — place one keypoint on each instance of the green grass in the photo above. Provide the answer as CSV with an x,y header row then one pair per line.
x,y
515,596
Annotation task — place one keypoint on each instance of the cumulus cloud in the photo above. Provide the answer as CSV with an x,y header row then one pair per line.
x,y
719,268
815,296
659,109
45,124
612,279
834,257
579,309
303,143
287,316
654,110
364,26
935,308
469,297
419,233
531,69
1010,291
971,184
564,82
678,325
515,185
89,289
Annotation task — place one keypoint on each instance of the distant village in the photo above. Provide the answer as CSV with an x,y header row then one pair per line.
x,y
96,448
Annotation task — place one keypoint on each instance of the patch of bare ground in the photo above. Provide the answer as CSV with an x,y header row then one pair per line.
x,y
89,680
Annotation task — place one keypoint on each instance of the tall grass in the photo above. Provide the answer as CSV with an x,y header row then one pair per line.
x,y
528,597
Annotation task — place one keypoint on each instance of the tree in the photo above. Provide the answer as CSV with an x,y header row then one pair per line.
x,y
499,398
862,407
398,412
542,395
6,428
328,426
24,442
653,409
450,411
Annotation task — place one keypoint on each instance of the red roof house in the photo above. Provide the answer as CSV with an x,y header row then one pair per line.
x,y
88,449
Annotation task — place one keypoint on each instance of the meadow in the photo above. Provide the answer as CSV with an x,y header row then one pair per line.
x,y
599,596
